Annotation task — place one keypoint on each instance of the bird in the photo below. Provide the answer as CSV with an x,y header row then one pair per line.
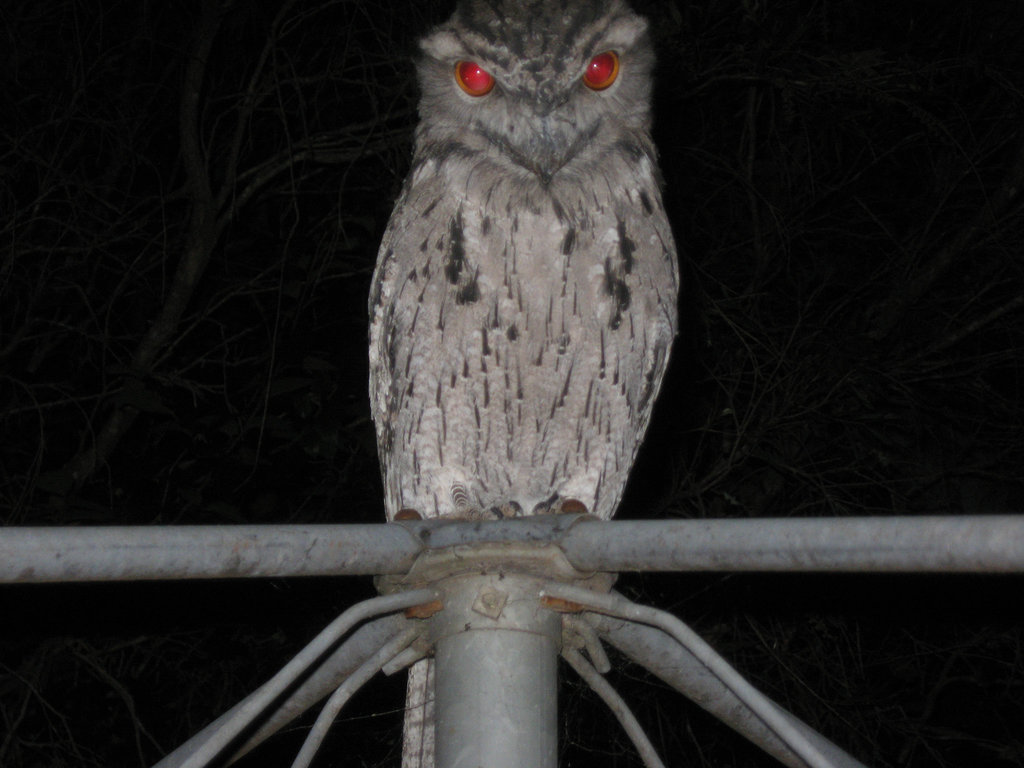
x,y
524,300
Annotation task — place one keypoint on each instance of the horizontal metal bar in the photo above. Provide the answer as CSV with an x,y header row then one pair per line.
x,y
196,552
991,543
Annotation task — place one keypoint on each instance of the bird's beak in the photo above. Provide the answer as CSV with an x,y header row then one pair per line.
x,y
548,154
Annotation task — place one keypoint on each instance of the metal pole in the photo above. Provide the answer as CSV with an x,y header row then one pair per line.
x,y
495,677
129,553
962,544
946,544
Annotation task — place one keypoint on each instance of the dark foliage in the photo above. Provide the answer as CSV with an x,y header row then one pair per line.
x,y
191,196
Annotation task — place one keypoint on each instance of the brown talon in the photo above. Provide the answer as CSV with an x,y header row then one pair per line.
x,y
572,507
408,514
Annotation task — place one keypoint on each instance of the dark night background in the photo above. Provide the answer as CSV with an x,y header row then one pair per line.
x,y
191,197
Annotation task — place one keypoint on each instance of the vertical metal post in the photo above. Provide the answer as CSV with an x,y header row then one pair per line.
x,y
495,683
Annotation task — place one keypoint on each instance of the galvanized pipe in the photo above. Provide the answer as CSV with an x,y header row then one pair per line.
x,y
664,657
988,543
495,678
129,553
273,690
809,751
947,544
359,678
364,642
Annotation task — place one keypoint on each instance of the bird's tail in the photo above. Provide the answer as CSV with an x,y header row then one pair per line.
x,y
418,729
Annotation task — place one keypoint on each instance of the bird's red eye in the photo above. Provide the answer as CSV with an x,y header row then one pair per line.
x,y
473,79
601,71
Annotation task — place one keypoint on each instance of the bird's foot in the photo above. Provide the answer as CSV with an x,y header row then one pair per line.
x,y
558,505
505,511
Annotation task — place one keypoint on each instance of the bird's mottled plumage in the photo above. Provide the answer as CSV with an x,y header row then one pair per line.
x,y
524,300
